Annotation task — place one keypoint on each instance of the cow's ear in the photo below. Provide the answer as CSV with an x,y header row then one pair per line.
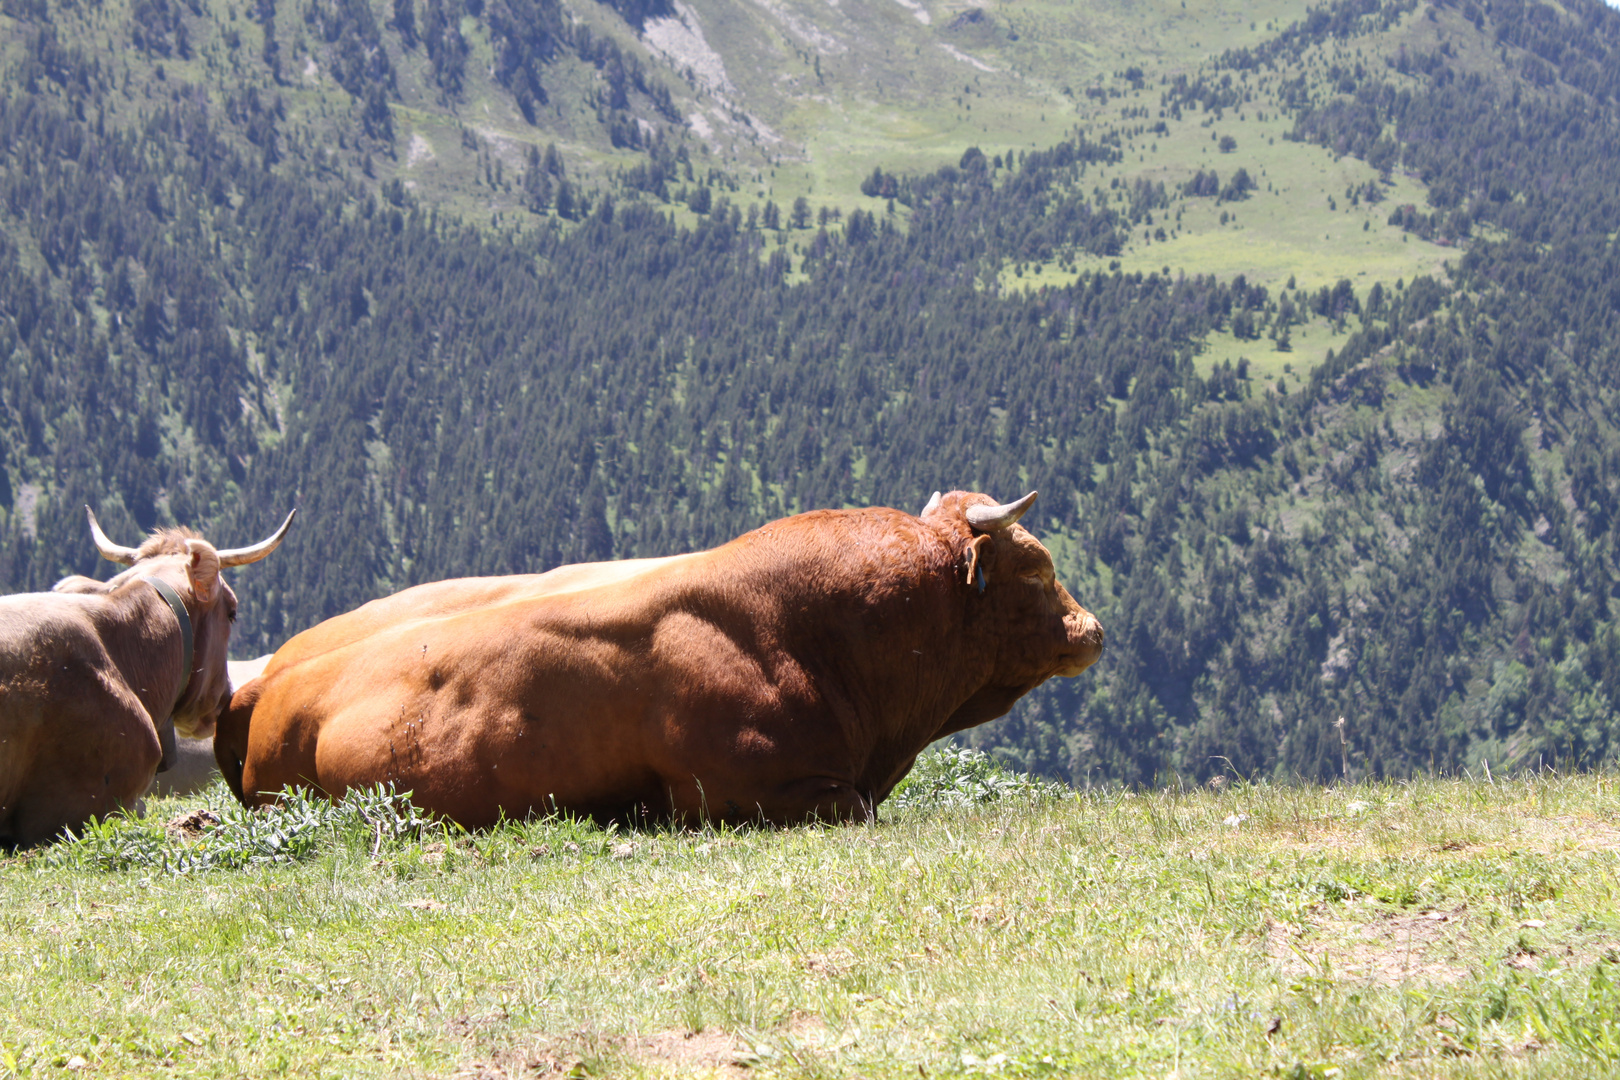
x,y
203,570
977,549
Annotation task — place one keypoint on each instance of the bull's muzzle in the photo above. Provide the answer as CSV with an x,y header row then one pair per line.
x,y
1085,642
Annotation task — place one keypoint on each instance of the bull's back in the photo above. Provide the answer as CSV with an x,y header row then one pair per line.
x,y
442,600
435,687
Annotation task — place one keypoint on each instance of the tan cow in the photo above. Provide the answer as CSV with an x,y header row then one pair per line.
x,y
794,673
96,678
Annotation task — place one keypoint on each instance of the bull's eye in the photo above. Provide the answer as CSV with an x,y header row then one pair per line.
x,y
231,615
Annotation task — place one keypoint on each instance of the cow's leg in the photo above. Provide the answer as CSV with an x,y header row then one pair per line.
x,y
57,803
104,767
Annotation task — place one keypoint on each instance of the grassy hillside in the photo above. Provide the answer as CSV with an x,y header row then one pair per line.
x,y
775,103
1436,928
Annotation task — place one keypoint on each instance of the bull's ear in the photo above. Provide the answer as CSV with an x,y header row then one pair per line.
x,y
203,570
975,553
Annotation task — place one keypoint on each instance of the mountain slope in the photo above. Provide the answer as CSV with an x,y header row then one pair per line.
x,y
1371,476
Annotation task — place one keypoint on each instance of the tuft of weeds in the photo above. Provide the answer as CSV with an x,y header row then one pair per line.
x,y
952,777
1582,1019
294,828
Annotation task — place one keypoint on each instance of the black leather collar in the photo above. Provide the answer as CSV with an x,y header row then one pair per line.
x,y
165,727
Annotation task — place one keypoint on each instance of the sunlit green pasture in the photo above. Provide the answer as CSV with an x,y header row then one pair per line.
x,y
1286,228
909,86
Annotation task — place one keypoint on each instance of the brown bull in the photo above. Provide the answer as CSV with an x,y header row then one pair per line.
x,y
794,673
92,674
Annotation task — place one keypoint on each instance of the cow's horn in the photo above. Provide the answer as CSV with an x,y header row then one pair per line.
x,y
243,556
109,550
991,518
933,504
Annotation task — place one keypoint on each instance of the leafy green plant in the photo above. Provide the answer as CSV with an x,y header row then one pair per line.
x,y
956,776
292,829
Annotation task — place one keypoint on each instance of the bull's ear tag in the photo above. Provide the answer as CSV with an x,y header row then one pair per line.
x,y
975,567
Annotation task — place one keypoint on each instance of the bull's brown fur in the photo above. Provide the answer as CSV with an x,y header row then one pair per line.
x,y
793,673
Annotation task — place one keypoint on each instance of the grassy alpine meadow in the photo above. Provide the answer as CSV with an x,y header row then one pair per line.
x,y
984,925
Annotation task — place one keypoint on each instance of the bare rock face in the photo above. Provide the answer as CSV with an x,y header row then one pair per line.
x,y
970,17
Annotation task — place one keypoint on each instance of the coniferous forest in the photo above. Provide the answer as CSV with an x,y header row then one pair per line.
x,y
206,321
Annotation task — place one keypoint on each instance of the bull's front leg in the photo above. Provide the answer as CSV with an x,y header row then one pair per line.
x,y
824,798
796,802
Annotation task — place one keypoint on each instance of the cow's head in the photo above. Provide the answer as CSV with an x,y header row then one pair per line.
x,y
1034,627
191,566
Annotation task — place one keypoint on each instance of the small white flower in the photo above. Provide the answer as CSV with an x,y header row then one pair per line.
x,y
1234,820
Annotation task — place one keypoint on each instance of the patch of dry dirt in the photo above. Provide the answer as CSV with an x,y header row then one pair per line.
x,y
830,964
677,1052
189,826
703,1049
1388,949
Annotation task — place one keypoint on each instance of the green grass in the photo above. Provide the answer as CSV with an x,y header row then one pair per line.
x,y
1440,927
909,96
1309,343
1284,229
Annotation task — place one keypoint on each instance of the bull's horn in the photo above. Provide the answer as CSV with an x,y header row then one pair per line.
x,y
109,550
243,556
933,504
991,518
